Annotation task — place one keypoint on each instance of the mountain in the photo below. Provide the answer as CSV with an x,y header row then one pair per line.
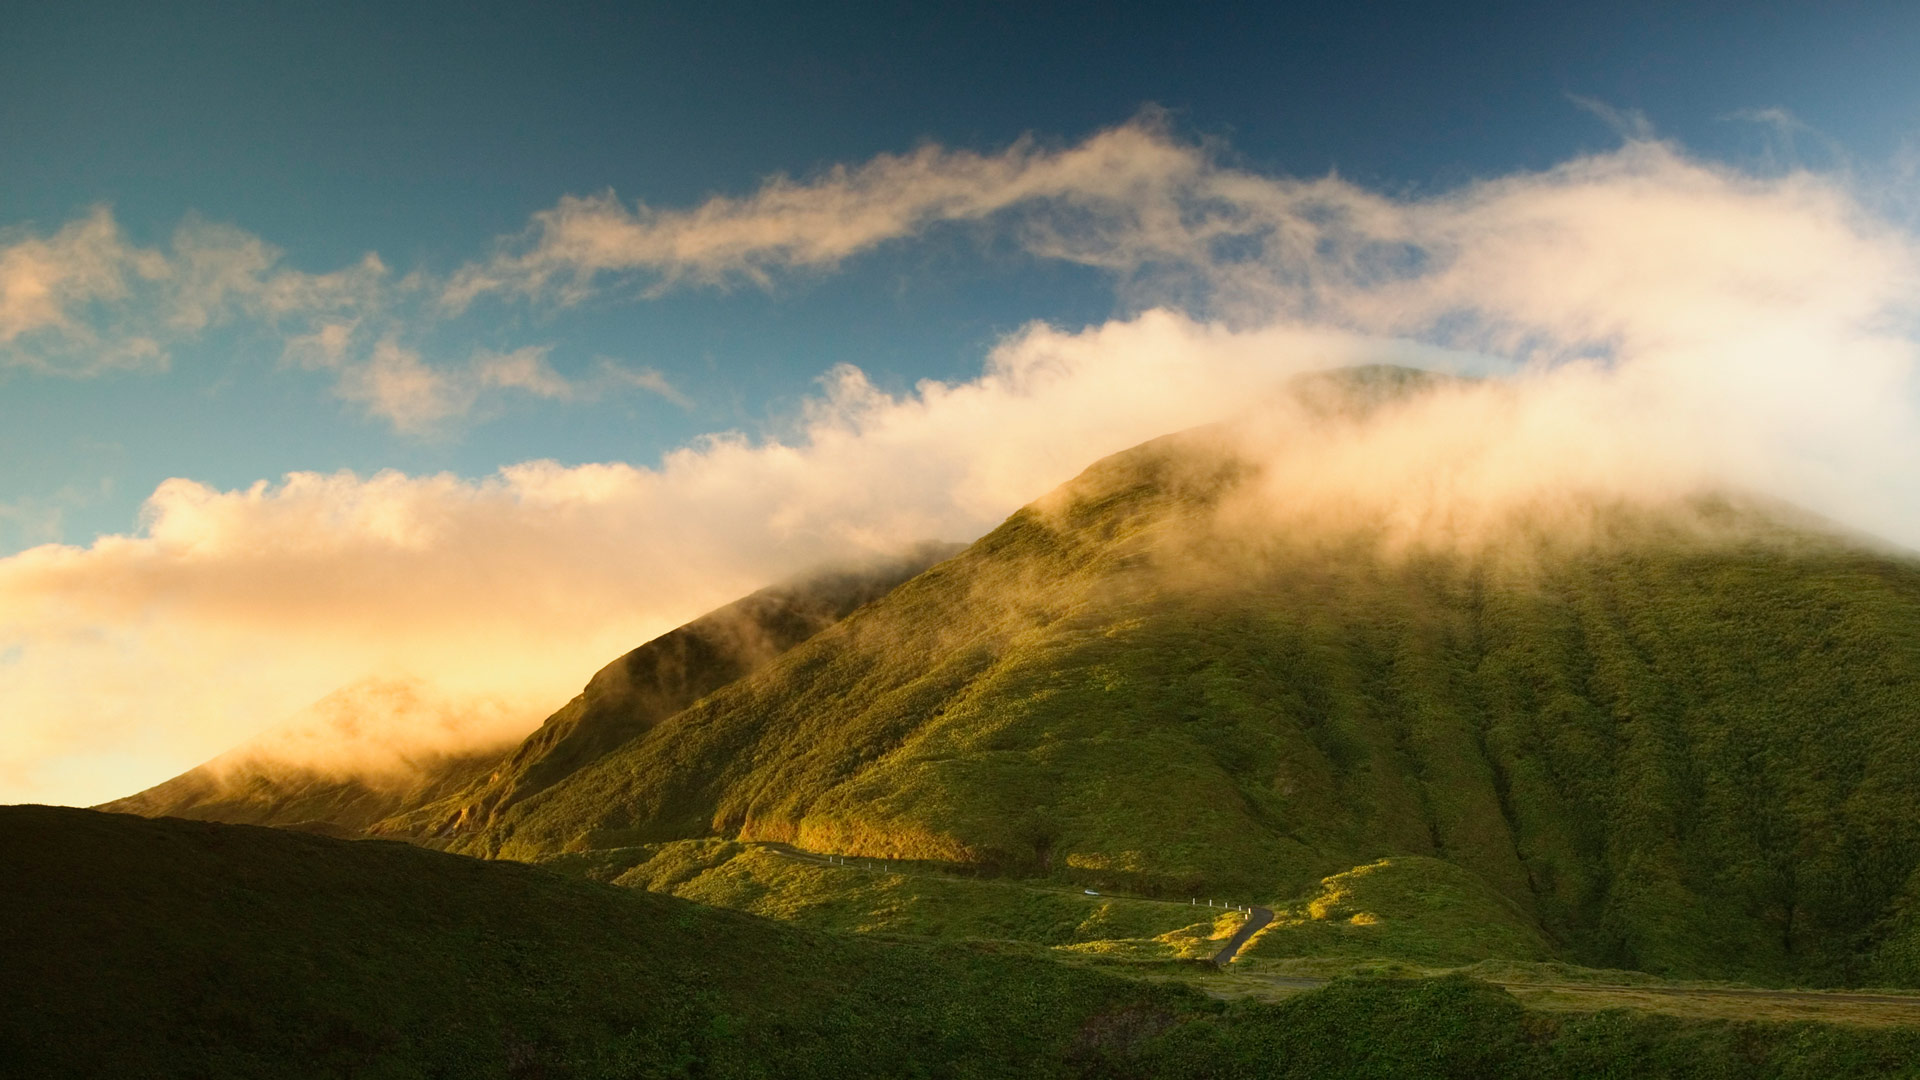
x,y
356,756
461,772
1677,737
629,696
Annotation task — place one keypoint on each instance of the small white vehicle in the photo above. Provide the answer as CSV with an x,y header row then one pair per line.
x,y
1089,892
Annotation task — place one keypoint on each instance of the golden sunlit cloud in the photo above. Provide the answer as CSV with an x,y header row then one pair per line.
x,y
1670,326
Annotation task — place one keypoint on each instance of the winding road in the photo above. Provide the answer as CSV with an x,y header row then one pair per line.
x,y
1257,919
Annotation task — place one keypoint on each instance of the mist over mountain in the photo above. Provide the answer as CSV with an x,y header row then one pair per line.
x,y
629,696
1638,725
1439,710
356,756
1673,731
387,748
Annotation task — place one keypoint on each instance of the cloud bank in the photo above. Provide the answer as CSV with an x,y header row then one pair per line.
x,y
1667,325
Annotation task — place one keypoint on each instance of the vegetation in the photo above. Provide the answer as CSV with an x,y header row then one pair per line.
x,y
163,948
1680,743
1457,1027
269,792
1416,910
440,795
628,697
264,782
908,901
1669,739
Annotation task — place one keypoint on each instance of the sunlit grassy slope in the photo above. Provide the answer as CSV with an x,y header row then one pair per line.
x,y
910,900
1682,744
257,783
1407,908
262,793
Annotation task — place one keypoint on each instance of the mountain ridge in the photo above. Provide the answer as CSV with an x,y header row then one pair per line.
x,y
1585,725
436,793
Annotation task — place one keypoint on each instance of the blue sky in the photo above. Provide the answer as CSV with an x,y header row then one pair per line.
x,y
460,347
425,132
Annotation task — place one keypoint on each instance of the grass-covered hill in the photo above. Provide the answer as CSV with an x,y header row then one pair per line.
x,y
162,947
1683,742
171,948
632,694
444,793
362,775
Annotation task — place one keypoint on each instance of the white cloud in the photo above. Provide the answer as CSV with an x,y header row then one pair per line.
x,y
232,608
1677,325
396,385
86,300
326,347
1128,173
522,369
610,376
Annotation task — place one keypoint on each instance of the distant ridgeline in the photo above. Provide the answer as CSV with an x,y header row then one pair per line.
x,y
443,794
1684,743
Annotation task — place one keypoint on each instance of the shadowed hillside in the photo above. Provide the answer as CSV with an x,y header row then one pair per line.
x,y
169,948
139,947
1676,738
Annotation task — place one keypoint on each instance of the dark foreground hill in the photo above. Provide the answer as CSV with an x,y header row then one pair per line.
x,y
170,948
446,793
1680,738
137,947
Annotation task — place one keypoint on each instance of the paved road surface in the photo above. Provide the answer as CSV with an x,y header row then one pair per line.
x,y
1260,917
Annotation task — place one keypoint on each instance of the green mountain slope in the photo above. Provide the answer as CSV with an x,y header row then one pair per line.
x,y
1683,743
632,694
440,793
359,779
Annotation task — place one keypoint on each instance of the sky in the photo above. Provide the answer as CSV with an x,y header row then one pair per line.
x,y
473,344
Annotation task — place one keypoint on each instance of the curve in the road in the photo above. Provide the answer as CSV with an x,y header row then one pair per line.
x,y
1257,919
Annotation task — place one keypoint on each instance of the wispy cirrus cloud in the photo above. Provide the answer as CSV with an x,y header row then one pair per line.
x,y
397,385
85,300
1131,181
